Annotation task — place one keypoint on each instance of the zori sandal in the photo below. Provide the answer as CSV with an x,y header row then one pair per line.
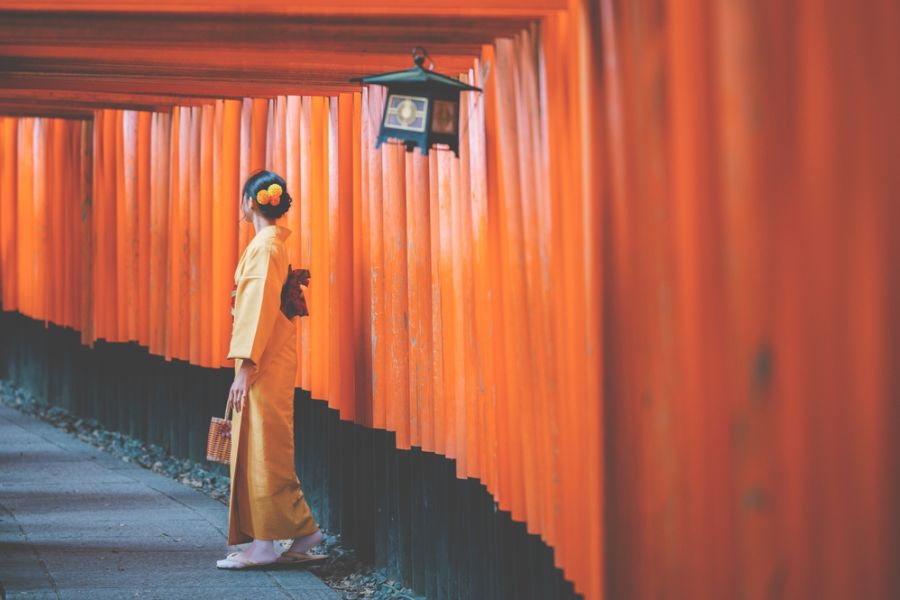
x,y
234,561
289,557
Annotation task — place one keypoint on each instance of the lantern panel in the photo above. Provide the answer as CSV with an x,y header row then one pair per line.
x,y
444,116
408,113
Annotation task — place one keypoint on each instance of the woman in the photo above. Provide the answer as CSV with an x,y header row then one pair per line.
x,y
266,502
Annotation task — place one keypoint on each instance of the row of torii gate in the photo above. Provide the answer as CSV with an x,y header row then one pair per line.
x,y
648,307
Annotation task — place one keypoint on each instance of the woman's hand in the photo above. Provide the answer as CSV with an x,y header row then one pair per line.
x,y
240,389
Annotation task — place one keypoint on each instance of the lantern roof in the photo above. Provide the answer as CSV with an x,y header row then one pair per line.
x,y
417,74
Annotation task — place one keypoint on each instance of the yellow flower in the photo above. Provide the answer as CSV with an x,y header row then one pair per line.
x,y
275,190
262,196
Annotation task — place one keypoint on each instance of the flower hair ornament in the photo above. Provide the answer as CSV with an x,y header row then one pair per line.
x,y
270,195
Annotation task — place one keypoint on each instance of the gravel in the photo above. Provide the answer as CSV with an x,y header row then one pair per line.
x,y
343,570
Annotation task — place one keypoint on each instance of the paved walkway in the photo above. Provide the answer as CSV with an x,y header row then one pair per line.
x,y
76,522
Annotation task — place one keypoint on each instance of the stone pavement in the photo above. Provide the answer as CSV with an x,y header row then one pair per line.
x,y
76,522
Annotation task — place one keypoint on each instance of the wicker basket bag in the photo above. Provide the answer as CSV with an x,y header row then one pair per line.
x,y
218,442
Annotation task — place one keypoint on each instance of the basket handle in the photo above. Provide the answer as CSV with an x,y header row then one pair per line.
x,y
227,409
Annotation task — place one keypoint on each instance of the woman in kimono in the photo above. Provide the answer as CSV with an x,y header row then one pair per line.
x,y
266,502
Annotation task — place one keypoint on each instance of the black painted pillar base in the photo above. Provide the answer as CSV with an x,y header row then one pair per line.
x,y
404,511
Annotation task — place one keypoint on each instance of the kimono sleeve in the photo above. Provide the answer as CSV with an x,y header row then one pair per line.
x,y
256,305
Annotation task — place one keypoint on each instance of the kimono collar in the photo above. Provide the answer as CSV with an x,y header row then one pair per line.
x,y
278,231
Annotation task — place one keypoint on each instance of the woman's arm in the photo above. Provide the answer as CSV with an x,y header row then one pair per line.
x,y
256,305
255,311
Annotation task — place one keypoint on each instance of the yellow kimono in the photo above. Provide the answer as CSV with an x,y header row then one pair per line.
x,y
266,501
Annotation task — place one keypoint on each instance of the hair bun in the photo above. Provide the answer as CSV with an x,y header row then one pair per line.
x,y
268,189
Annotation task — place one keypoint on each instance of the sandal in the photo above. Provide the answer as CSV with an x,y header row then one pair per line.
x,y
233,561
289,557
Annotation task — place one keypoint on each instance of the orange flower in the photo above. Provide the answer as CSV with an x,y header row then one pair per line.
x,y
262,196
275,200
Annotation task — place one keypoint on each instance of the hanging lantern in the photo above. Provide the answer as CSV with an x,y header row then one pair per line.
x,y
422,107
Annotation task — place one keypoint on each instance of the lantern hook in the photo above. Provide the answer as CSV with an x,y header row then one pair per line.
x,y
420,54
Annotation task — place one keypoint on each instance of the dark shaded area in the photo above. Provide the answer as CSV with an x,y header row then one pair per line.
x,y
404,511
